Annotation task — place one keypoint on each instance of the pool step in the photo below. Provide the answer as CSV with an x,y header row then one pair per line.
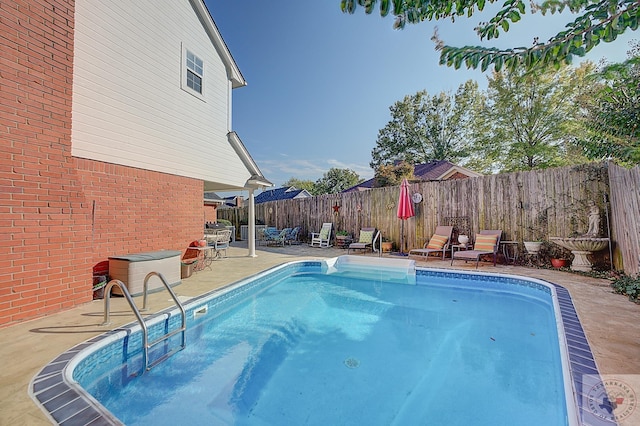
x,y
402,271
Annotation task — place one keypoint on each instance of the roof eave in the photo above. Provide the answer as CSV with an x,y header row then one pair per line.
x,y
454,169
257,179
233,71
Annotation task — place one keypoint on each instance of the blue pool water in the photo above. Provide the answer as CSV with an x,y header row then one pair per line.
x,y
309,348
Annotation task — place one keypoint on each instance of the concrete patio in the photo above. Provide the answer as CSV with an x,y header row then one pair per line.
x,y
610,321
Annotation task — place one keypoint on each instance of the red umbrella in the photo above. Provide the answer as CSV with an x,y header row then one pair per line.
x,y
405,209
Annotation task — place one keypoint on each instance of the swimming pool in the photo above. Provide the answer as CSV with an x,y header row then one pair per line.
x,y
424,351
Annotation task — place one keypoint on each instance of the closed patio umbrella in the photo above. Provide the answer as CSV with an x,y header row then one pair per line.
x,y
405,209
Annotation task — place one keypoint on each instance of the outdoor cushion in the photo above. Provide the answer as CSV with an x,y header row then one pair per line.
x,y
437,242
366,237
485,242
324,233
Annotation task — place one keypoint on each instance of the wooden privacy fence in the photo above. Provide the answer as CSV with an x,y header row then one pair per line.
x,y
625,218
527,206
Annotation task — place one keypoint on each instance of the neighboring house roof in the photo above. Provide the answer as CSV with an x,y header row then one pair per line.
x,y
211,197
433,170
284,193
232,202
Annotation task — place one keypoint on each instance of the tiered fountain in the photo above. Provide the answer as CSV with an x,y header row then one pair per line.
x,y
583,246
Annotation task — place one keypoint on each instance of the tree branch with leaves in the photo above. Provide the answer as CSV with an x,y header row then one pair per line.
x,y
600,21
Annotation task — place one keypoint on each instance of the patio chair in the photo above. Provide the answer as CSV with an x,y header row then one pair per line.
x,y
367,240
322,238
219,239
292,236
439,242
262,234
274,237
487,242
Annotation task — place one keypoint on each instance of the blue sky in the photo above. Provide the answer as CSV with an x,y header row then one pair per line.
x,y
320,82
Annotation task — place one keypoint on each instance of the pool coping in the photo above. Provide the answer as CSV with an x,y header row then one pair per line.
x,y
64,402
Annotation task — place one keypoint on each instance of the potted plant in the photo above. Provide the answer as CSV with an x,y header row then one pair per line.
x,y
463,239
533,247
342,238
386,245
559,256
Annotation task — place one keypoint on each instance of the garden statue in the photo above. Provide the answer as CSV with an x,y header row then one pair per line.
x,y
594,221
582,247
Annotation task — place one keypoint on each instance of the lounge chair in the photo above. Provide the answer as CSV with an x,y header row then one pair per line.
x,y
367,240
439,242
322,238
487,242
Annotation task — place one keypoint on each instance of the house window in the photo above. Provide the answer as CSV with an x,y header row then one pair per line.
x,y
192,73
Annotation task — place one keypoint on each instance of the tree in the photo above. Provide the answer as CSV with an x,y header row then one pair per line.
x,y
601,20
337,180
612,112
424,128
309,185
392,175
530,120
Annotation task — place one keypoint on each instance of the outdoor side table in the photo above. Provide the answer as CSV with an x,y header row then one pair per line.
x,y
460,247
510,250
206,255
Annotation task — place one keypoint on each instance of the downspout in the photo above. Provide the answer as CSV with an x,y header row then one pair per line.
x,y
229,105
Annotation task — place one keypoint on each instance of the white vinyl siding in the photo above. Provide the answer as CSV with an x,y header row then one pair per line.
x,y
129,106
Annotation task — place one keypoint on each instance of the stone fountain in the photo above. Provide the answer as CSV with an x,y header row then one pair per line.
x,y
583,246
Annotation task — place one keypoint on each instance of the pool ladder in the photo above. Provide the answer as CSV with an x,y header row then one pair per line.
x,y
143,324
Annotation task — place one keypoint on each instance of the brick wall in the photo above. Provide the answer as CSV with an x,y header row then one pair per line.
x,y
135,210
211,213
44,217
60,217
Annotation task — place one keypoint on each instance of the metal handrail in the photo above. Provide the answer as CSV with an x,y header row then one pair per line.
x,y
176,300
143,325
107,302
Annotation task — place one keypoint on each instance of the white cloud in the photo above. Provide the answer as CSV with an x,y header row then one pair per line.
x,y
279,170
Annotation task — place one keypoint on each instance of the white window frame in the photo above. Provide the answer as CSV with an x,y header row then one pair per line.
x,y
185,73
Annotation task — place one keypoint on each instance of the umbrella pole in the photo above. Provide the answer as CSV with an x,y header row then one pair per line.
x,y
402,238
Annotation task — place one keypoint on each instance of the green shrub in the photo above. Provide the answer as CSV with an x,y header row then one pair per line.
x,y
628,286
225,222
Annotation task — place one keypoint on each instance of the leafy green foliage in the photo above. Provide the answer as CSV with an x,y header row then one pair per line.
x,y
392,175
529,121
600,21
612,113
424,128
629,286
309,185
336,180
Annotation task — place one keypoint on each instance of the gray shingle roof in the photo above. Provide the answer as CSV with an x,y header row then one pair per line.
x,y
284,193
